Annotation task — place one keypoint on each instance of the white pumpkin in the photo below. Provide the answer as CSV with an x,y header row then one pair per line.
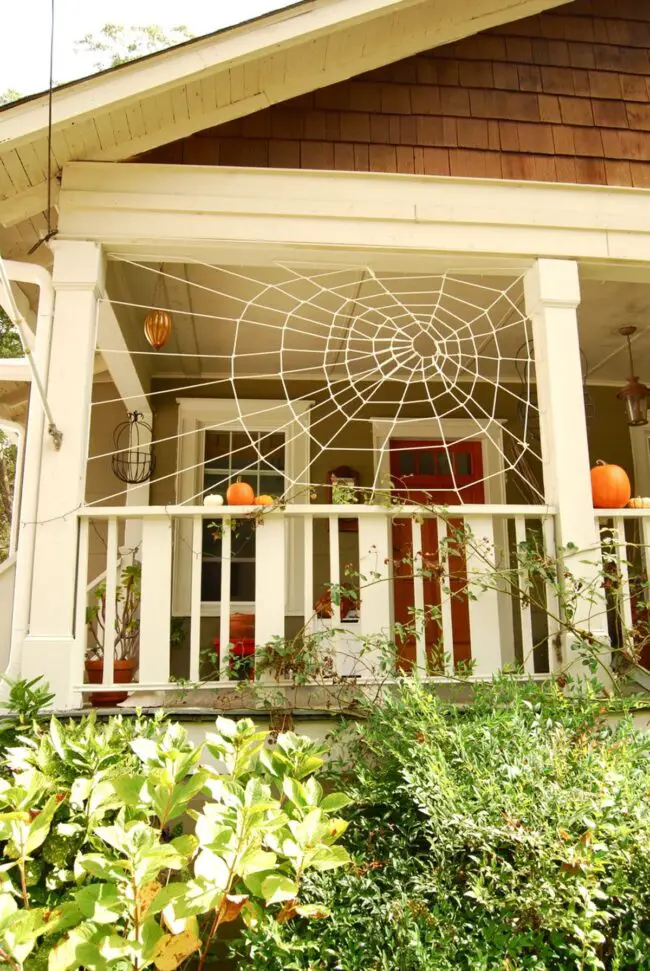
x,y
213,500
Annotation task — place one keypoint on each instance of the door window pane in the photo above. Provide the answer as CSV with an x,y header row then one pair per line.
x,y
427,462
444,467
463,463
257,458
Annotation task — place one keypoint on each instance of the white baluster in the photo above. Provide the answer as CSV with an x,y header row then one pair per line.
x,y
620,547
81,627
195,598
375,558
308,573
224,616
155,608
111,595
269,578
335,570
525,613
446,622
484,610
552,599
418,597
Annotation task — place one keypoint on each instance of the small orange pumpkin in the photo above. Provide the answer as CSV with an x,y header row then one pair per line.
x,y
264,500
240,494
610,486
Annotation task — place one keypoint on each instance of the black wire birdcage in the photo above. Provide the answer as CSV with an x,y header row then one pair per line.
x,y
133,460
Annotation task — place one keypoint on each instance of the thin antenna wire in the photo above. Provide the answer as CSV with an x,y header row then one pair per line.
x,y
48,215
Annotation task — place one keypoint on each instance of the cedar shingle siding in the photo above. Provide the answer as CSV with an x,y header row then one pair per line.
x,y
561,97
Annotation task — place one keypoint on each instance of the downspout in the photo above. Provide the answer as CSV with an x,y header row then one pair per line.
x,y
39,276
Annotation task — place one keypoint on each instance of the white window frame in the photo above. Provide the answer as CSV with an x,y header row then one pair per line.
x,y
198,415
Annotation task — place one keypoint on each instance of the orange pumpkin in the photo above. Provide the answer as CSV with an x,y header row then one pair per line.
x,y
610,486
264,500
240,494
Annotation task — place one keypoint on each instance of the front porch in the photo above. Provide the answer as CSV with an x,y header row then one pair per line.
x,y
423,421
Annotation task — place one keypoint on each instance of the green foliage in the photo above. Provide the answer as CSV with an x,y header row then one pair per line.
x,y
10,343
510,834
96,870
6,98
116,44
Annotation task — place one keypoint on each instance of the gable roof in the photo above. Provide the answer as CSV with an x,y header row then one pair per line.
x,y
205,82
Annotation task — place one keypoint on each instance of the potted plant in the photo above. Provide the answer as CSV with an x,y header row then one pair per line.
x,y
125,639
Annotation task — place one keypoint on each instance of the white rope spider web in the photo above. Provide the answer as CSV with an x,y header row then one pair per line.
x,y
360,345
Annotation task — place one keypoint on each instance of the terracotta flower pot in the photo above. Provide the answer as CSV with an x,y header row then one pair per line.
x,y
123,672
242,627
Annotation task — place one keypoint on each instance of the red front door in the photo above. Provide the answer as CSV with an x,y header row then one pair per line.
x,y
441,474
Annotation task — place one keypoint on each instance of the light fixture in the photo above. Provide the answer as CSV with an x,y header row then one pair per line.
x,y
158,322
157,328
634,394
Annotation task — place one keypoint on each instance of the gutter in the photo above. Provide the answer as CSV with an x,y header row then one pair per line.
x,y
39,276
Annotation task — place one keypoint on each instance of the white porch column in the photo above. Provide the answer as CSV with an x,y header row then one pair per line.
x,y
78,278
552,293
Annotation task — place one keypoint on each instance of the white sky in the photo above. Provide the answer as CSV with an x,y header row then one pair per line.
x,y
25,31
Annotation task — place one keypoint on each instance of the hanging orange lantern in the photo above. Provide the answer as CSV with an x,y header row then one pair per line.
x,y
157,328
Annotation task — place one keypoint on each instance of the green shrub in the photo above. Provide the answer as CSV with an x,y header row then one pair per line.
x,y
96,871
510,834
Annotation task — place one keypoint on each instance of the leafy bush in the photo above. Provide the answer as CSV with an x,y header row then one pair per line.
x,y
97,872
510,834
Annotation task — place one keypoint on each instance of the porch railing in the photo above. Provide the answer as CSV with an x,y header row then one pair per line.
x,y
625,541
502,629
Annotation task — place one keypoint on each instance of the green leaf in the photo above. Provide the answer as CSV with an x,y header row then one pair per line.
x,y
165,896
212,868
335,801
313,790
151,935
101,902
314,911
256,859
327,858
186,844
40,826
277,888
146,749
72,952
295,792
8,907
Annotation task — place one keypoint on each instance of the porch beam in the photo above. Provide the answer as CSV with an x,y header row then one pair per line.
x,y
221,214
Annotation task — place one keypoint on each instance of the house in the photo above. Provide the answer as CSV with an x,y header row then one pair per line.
x,y
397,241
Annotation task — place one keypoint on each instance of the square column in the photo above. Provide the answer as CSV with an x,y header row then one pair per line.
x,y
552,293
78,278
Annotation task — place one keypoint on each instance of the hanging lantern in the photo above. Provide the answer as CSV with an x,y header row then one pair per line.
x,y
158,322
133,460
634,394
157,328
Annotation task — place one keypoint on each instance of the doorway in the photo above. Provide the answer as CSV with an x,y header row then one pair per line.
x,y
433,472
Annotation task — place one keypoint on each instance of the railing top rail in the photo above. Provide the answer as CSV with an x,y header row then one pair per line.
x,y
621,513
318,510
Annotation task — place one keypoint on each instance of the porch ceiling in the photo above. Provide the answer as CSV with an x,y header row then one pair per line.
x,y
308,322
